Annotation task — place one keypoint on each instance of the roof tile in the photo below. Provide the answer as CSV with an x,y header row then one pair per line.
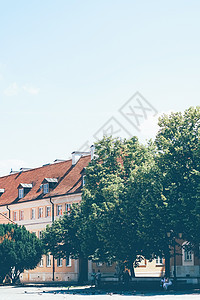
x,y
69,181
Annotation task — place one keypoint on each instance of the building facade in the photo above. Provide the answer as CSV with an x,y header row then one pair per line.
x,y
36,197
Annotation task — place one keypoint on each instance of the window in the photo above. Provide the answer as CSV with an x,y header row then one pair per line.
x,y
188,255
14,216
2,191
32,213
21,193
24,189
40,235
109,263
21,215
49,184
68,262
59,210
159,260
45,188
48,260
41,263
40,212
141,261
67,208
84,179
48,211
59,262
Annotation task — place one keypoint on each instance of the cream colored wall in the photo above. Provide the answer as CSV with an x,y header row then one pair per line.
x,y
150,269
146,269
104,269
36,225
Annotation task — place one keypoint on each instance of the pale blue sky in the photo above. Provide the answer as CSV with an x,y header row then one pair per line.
x,y
66,67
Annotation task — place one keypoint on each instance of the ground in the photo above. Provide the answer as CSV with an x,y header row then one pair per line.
x,y
52,293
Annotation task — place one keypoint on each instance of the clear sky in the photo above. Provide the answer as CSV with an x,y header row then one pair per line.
x,y
67,67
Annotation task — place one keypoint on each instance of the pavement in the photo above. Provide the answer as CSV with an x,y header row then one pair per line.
x,y
86,293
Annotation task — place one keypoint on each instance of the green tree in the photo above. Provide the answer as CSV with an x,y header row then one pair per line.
x,y
153,213
135,194
178,159
64,238
170,185
105,224
19,250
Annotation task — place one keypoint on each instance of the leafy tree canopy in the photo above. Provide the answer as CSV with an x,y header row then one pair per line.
x,y
19,250
178,160
134,195
105,224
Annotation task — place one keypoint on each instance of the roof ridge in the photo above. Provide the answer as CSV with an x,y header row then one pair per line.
x,y
68,176
36,168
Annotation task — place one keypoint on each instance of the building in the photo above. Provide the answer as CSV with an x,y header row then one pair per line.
x,y
36,197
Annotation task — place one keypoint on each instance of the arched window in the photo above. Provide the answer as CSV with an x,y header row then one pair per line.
x,y
187,255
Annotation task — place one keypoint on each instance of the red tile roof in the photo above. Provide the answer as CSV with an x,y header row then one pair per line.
x,y
69,181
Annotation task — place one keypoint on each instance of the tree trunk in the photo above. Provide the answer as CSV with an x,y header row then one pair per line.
x,y
167,263
83,270
132,269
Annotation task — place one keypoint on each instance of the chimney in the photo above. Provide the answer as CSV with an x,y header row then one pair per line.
x,y
92,148
76,155
13,172
73,158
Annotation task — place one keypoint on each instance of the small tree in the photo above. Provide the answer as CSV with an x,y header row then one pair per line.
x,y
19,250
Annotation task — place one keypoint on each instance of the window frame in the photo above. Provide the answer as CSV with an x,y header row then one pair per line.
x,y
67,208
40,234
187,253
41,263
21,215
59,211
159,261
48,260
45,187
109,264
68,262
21,193
59,262
33,215
40,212
48,212
14,215
83,180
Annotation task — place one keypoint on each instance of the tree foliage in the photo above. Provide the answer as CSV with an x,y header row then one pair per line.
x,y
178,160
134,195
170,194
19,250
105,225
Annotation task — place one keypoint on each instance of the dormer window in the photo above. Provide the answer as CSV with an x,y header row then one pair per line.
x,y
45,188
21,193
48,184
83,179
2,191
23,189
